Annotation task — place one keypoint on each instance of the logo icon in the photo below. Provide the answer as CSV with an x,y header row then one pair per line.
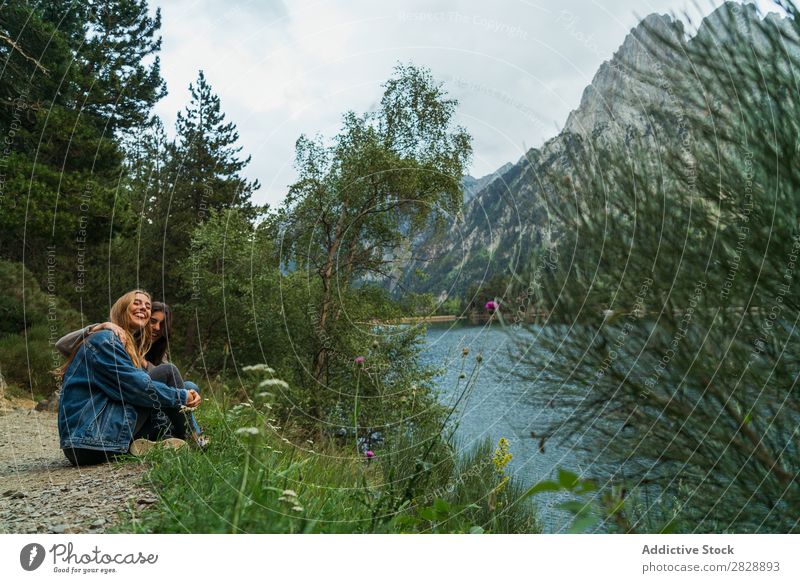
x,y
31,556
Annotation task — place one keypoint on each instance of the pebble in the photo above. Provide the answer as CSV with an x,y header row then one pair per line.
x,y
40,492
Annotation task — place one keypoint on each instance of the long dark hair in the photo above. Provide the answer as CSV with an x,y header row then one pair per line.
x,y
159,348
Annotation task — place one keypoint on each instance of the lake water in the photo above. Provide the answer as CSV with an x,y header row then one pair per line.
x,y
499,406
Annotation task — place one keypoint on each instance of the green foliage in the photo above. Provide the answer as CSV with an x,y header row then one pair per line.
x,y
261,477
74,76
30,322
475,501
234,307
360,198
677,279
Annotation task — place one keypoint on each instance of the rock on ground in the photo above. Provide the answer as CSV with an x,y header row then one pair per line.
x,y
40,492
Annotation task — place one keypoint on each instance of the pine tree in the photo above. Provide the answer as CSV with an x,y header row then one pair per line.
x,y
204,169
206,159
78,74
119,85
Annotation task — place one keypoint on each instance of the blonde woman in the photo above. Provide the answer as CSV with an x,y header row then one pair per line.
x,y
109,404
156,360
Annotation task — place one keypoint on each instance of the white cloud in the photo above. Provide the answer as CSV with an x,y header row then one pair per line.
x,y
517,67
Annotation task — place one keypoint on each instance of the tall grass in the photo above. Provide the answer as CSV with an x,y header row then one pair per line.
x,y
259,477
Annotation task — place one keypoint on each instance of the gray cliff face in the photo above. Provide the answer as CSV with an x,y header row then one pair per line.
x,y
618,96
507,214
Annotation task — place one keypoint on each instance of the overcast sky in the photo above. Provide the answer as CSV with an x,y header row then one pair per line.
x,y
517,67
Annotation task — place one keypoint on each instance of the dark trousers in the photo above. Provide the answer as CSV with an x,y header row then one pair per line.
x,y
151,424
89,457
157,424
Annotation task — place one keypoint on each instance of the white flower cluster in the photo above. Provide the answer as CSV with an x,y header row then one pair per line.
x,y
258,368
247,431
290,497
274,383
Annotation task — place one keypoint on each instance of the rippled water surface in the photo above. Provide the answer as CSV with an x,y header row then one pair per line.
x,y
500,405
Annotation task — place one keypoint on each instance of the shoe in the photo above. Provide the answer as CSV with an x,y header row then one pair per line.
x,y
141,447
200,441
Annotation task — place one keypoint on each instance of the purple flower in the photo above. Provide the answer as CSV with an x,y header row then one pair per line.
x,y
359,360
369,454
492,305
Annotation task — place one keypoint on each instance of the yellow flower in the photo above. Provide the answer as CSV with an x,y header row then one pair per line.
x,y
501,458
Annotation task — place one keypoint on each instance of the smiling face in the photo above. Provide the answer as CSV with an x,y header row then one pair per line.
x,y
157,325
139,310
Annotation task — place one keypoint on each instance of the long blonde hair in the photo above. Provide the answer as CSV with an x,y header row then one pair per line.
x,y
138,342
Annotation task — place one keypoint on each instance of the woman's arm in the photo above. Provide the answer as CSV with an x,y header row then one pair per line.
x,y
67,344
124,382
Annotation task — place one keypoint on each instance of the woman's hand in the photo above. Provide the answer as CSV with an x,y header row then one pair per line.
x,y
193,398
117,330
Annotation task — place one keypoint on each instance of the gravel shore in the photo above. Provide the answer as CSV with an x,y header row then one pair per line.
x,y
40,492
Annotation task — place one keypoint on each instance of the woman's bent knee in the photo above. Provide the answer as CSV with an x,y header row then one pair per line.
x,y
168,374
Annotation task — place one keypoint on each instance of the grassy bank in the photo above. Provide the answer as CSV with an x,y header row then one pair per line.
x,y
259,477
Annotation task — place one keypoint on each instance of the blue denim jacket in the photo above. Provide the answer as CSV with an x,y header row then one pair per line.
x,y
101,390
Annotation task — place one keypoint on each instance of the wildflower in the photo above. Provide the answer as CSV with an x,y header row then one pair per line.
x,y
274,383
247,431
297,508
479,357
291,493
502,455
264,395
369,454
492,305
360,360
258,368
465,351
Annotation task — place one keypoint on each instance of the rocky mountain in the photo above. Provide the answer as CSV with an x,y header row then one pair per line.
x,y
472,186
507,214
